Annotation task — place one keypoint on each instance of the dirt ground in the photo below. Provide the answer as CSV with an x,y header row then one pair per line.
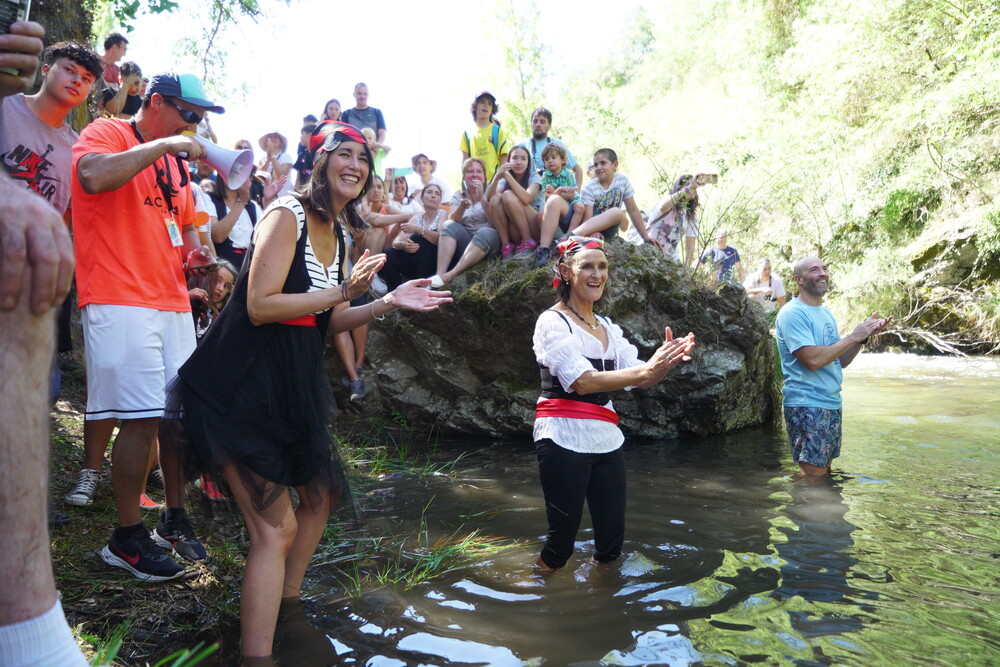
x,y
102,602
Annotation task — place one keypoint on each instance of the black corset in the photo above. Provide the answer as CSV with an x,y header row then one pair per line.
x,y
551,388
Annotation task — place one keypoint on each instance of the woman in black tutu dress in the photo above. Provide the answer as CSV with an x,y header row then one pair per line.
x,y
254,398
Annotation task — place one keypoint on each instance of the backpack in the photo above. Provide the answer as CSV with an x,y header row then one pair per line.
x,y
494,139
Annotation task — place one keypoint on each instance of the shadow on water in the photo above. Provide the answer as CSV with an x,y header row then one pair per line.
x,y
729,557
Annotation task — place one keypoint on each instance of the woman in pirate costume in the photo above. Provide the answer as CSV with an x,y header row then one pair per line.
x,y
582,357
253,400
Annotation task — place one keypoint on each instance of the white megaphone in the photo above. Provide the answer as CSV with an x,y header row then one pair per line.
x,y
235,167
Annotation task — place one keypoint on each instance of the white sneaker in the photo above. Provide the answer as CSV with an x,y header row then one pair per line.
x,y
379,288
86,486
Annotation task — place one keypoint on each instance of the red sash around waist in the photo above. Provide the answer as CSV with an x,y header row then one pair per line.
x,y
562,407
304,321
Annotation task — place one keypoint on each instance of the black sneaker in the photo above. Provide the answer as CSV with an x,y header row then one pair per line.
x,y
178,536
58,518
155,479
357,389
542,257
140,556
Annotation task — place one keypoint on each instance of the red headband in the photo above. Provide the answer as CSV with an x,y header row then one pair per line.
x,y
325,136
570,247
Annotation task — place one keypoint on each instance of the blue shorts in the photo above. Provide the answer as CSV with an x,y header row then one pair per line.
x,y
813,434
568,218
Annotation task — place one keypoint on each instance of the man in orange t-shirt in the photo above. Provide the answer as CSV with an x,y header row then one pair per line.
x,y
133,222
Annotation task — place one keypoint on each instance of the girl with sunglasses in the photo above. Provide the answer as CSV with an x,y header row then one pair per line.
x,y
582,357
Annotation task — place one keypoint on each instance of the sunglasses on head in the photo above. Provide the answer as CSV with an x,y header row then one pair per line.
x,y
588,241
188,116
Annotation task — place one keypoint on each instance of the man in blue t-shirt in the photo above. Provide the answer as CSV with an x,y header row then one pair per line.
x,y
541,123
813,356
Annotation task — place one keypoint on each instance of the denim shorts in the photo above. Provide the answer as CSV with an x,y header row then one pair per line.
x,y
813,434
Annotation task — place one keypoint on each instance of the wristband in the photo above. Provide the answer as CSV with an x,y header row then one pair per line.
x,y
865,341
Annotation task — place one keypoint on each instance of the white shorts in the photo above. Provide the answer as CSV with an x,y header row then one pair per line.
x,y
132,353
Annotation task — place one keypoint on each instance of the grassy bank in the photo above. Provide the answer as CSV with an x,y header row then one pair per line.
x,y
122,621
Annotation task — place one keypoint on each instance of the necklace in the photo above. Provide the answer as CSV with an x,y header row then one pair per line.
x,y
593,326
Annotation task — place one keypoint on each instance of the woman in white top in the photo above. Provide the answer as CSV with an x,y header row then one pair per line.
x,y
233,216
414,250
401,198
765,288
277,162
582,357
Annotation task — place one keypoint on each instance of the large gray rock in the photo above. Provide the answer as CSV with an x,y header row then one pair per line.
x,y
469,367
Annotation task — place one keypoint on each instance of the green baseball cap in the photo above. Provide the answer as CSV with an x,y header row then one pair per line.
x,y
185,87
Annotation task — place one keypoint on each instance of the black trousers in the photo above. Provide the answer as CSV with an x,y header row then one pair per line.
x,y
401,266
569,478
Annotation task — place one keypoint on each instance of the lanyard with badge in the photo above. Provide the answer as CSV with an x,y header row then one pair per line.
x,y
165,181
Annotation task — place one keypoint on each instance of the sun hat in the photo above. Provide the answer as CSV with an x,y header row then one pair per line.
x,y
278,135
413,162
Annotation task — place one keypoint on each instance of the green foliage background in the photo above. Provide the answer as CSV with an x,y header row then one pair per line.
x,y
860,131
864,132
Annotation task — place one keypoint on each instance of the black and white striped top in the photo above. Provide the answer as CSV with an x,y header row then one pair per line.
x,y
320,277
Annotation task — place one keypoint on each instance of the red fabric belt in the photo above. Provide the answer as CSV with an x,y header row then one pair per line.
x,y
562,407
304,321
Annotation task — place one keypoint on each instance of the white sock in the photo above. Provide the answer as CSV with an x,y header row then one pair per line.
x,y
43,641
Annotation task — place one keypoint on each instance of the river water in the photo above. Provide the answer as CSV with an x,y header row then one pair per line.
x,y
729,559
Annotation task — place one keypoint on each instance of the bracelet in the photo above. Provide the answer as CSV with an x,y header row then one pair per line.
x,y
373,312
865,341
343,292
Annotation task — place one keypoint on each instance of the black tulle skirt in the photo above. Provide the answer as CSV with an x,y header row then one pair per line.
x,y
275,429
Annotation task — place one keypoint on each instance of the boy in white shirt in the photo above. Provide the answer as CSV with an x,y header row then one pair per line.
x,y
603,197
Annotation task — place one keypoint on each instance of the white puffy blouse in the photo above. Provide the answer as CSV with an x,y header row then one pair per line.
x,y
563,348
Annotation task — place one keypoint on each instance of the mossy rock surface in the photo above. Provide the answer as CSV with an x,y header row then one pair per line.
x,y
469,367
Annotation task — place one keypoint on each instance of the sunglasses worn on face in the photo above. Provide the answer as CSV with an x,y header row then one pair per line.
x,y
192,117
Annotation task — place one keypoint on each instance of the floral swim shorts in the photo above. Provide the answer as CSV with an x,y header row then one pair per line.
x,y
814,434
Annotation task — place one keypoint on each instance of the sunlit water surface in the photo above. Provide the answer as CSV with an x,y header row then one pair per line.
x,y
728,559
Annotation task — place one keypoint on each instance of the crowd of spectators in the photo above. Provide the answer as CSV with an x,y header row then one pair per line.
x,y
161,240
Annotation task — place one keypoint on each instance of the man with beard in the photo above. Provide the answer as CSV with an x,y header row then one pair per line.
x,y
813,356
541,123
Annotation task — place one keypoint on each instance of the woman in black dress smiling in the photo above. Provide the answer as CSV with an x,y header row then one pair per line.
x,y
254,396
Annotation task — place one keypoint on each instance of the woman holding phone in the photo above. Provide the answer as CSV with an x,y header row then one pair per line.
x,y
677,217
251,405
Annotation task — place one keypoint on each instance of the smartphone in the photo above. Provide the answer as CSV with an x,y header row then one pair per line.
x,y
10,12
706,179
465,189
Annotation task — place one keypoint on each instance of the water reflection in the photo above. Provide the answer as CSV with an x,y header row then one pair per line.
x,y
816,559
729,559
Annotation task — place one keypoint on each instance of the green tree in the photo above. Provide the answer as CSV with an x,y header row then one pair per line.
x,y
522,86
